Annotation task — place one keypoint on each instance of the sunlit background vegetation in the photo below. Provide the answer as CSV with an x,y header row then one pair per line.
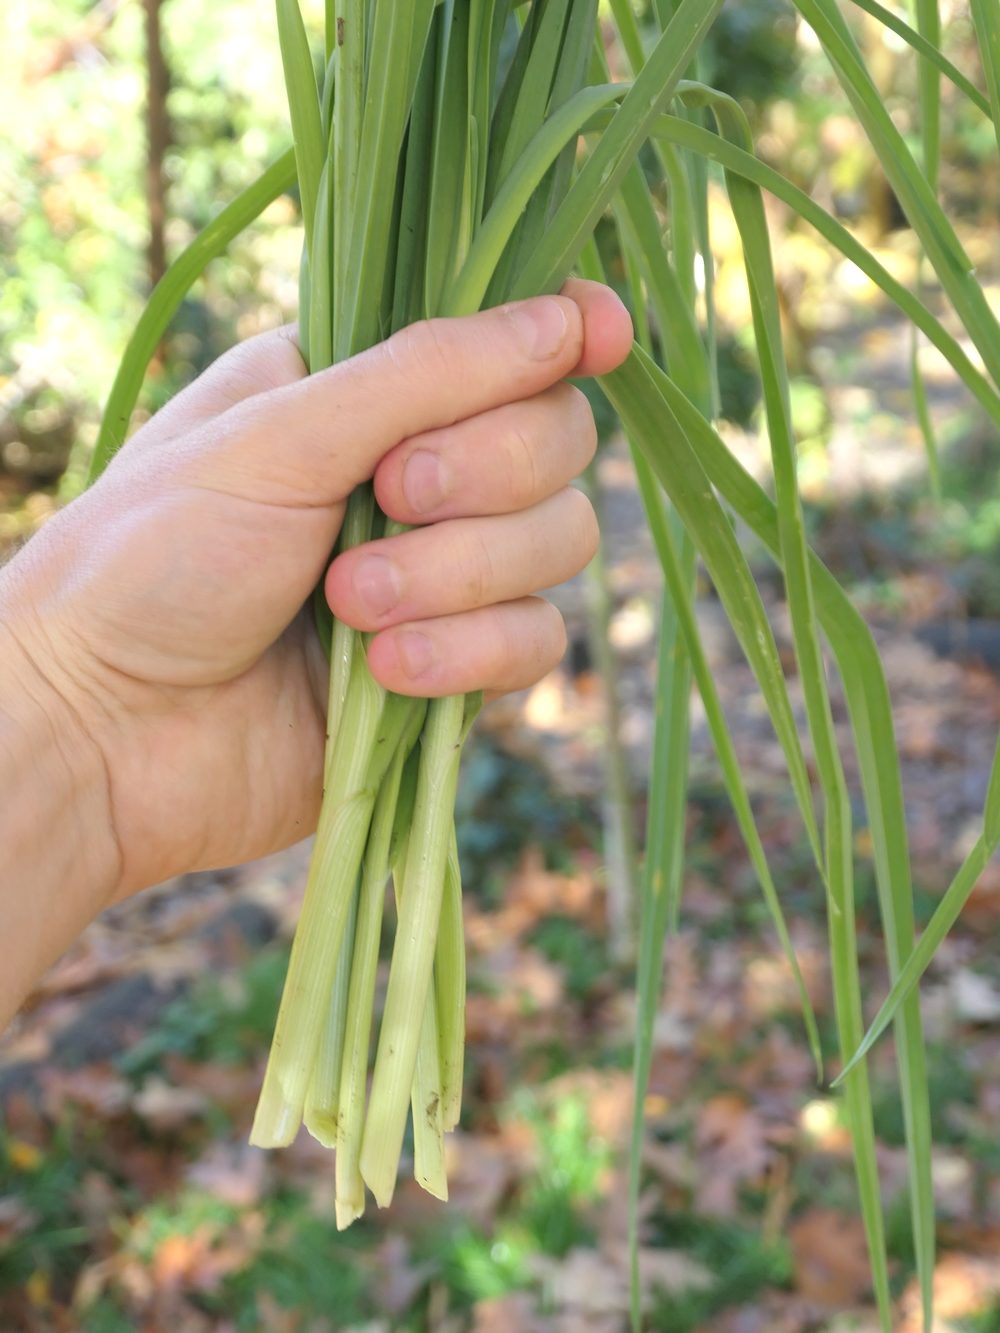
x,y
128,1199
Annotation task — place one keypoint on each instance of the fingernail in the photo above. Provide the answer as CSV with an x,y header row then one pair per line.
x,y
416,652
424,482
377,583
541,325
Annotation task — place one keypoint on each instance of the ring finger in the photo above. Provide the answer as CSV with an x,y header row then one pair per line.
x,y
462,564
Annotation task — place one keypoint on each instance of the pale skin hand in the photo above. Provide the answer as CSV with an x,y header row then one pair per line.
x,y
162,691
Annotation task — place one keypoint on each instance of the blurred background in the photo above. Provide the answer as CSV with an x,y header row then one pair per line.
x,y
128,1197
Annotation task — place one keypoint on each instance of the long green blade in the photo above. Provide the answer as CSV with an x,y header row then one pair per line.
x,y
303,107
986,19
945,915
602,172
168,295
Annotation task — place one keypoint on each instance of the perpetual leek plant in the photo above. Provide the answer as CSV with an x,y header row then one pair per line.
x,y
451,154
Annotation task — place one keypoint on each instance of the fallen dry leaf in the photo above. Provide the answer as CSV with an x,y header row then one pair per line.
x,y
480,1172
95,1088
975,997
964,1286
397,1280
513,1313
233,1172
585,1282
164,1106
830,1258
733,1149
15,1218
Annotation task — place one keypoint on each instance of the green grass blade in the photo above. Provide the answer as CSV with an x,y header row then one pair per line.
x,y
748,211
870,714
929,83
350,36
922,408
323,1096
945,915
408,297
681,340
166,300
469,289
636,392
627,26
506,104
320,311
602,172
570,74
950,262
449,990
529,109
413,953
662,875
303,108
645,398
398,39
716,149
894,890
448,212
986,20
729,765
678,574
927,50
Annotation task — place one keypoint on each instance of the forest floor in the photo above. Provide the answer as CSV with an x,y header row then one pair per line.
x,y
129,1199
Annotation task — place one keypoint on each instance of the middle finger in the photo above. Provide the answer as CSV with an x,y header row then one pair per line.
x,y
494,463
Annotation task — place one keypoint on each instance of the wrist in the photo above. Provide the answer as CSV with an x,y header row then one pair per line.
x,y
61,859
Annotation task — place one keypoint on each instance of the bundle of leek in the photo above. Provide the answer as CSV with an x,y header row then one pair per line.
x,y
436,171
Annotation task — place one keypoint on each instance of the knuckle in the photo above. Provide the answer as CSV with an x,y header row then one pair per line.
x,y
577,424
537,639
478,567
585,427
523,477
585,531
419,352
556,637
268,361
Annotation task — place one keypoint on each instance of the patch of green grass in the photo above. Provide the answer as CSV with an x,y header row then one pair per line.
x,y
225,1022
949,1081
988,1321
45,1186
506,804
477,1267
571,1163
105,1317
577,950
184,1214
899,1237
304,1265
302,1262
742,1261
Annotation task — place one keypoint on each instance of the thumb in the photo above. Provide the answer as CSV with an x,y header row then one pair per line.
x,y
310,442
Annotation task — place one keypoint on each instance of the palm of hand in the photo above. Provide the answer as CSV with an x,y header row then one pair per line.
x,y
171,602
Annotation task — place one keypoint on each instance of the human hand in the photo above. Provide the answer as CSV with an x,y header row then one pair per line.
x,y
166,609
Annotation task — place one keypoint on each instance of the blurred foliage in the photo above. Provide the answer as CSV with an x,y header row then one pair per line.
x,y
73,213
